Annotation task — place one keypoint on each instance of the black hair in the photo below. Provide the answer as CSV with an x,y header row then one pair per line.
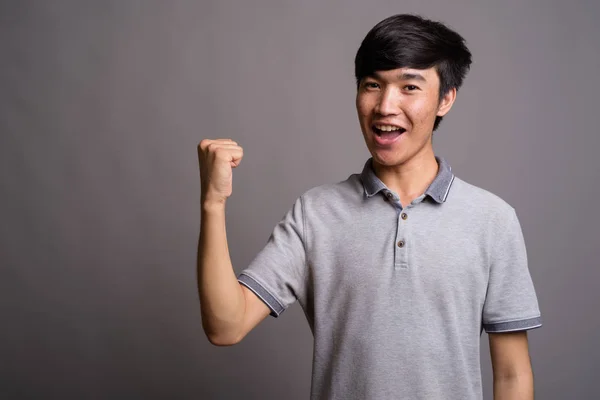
x,y
410,41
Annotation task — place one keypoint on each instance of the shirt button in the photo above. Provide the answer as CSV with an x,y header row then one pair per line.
x,y
404,216
389,195
401,243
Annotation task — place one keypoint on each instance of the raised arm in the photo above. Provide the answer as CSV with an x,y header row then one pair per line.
x,y
229,310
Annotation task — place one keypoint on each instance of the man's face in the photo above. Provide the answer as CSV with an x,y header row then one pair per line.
x,y
397,110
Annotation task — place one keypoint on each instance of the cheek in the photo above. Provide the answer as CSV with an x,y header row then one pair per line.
x,y
365,105
363,116
360,108
422,112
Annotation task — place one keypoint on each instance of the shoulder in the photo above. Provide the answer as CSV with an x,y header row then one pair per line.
x,y
481,206
333,199
349,188
483,199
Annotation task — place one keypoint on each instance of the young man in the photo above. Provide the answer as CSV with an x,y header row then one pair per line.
x,y
398,269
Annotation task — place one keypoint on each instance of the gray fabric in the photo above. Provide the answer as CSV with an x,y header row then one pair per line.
x,y
390,321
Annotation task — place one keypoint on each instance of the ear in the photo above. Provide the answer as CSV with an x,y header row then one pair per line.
x,y
446,102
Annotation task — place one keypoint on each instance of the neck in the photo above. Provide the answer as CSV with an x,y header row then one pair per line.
x,y
411,178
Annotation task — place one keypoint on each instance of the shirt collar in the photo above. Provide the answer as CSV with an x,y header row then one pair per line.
x,y
437,190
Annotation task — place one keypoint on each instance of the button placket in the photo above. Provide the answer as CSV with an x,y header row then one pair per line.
x,y
393,199
400,246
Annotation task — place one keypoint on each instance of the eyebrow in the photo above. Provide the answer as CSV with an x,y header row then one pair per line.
x,y
406,76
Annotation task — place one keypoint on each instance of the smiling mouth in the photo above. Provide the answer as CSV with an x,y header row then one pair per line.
x,y
386,135
388,131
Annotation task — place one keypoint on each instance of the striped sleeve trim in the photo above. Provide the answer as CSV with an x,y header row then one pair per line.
x,y
262,293
514,326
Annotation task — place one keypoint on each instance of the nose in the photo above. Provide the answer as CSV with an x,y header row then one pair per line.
x,y
389,102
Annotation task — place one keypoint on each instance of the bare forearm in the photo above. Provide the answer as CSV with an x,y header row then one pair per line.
x,y
515,387
221,298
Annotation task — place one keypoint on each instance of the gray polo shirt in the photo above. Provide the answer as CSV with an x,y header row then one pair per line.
x,y
397,297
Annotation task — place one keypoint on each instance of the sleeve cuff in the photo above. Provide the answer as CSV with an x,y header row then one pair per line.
x,y
513,326
262,293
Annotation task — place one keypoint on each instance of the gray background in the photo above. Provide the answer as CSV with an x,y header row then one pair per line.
x,y
102,105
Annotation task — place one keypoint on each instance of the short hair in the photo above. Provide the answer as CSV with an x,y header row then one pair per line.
x,y
411,41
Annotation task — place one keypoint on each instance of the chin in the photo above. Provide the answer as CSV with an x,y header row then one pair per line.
x,y
387,160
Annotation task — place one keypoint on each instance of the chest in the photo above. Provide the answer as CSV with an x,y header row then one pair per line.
x,y
394,254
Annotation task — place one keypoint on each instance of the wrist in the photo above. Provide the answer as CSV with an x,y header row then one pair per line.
x,y
212,206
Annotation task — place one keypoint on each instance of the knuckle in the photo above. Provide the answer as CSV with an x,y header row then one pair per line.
x,y
212,147
204,143
221,152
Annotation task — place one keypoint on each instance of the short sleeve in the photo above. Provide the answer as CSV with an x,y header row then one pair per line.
x,y
277,273
511,303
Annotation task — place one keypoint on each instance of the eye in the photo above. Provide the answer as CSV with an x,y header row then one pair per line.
x,y
411,88
371,85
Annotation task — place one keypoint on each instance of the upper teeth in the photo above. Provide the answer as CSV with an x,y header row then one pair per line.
x,y
387,128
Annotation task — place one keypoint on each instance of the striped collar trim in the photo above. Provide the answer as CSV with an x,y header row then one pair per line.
x,y
438,190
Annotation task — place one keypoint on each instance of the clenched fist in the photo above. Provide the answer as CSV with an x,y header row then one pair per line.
x,y
216,159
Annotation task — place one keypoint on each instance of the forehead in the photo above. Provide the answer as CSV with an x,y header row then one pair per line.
x,y
428,75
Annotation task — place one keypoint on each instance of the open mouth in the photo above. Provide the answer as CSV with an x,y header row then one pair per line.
x,y
386,135
388,131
